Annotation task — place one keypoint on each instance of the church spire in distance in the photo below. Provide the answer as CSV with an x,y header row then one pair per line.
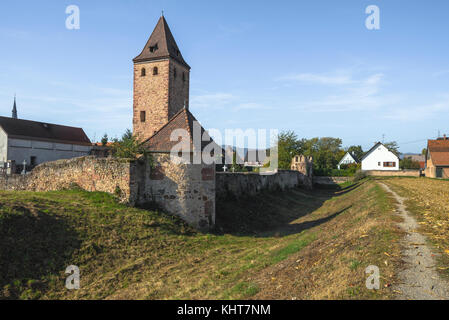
x,y
14,109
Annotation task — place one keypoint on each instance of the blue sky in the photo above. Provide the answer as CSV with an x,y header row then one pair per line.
x,y
308,66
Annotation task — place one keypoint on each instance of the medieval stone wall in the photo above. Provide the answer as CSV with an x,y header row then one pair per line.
x,y
89,173
236,185
185,190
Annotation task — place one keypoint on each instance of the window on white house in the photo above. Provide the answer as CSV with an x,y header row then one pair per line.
x,y
389,164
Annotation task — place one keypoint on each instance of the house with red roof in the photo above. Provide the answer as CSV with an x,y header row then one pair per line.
x,y
437,158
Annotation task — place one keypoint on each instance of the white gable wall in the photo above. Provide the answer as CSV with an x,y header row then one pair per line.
x,y
43,151
3,146
347,159
375,160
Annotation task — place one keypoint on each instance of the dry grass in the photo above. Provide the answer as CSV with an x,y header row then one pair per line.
x,y
333,266
428,201
304,245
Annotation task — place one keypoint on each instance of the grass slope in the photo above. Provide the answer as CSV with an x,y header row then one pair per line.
x,y
130,253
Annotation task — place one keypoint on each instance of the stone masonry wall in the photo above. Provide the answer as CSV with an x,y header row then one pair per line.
x,y
187,190
178,89
151,94
236,185
161,96
89,173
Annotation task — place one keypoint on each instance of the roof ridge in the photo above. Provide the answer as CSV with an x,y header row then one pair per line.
x,y
40,122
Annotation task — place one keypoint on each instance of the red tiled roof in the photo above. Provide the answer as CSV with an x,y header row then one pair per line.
x,y
100,144
422,164
184,120
439,152
33,130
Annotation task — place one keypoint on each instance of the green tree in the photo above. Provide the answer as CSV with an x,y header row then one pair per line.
x,y
288,146
128,146
357,150
392,146
104,140
326,152
424,151
408,163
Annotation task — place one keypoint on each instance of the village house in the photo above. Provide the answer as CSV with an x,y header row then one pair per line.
x,y
33,143
437,158
380,158
348,158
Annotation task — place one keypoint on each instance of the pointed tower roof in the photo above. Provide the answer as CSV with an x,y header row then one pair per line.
x,y
161,45
14,109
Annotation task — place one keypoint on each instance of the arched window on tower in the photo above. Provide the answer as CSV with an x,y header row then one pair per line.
x,y
174,72
183,77
143,72
155,71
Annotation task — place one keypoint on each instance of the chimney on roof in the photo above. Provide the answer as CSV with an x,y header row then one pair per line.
x,y
14,109
444,137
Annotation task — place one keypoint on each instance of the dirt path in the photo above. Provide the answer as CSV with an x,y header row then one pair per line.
x,y
419,280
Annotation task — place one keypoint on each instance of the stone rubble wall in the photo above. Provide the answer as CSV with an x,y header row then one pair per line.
x,y
187,191
235,185
89,173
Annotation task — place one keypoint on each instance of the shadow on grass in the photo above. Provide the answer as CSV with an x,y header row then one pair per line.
x,y
273,212
32,245
300,227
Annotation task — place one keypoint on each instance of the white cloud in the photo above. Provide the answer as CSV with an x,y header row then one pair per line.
x,y
313,78
441,73
221,101
212,100
419,113
352,92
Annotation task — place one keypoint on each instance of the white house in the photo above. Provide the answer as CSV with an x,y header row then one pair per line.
x,y
380,158
348,159
38,142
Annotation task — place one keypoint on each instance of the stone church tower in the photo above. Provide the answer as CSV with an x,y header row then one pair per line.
x,y
161,82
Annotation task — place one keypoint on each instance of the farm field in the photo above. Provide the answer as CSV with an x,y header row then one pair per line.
x,y
428,201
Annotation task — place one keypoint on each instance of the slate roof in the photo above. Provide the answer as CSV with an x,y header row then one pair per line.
x,y
439,151
160,45
184,119
33,130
